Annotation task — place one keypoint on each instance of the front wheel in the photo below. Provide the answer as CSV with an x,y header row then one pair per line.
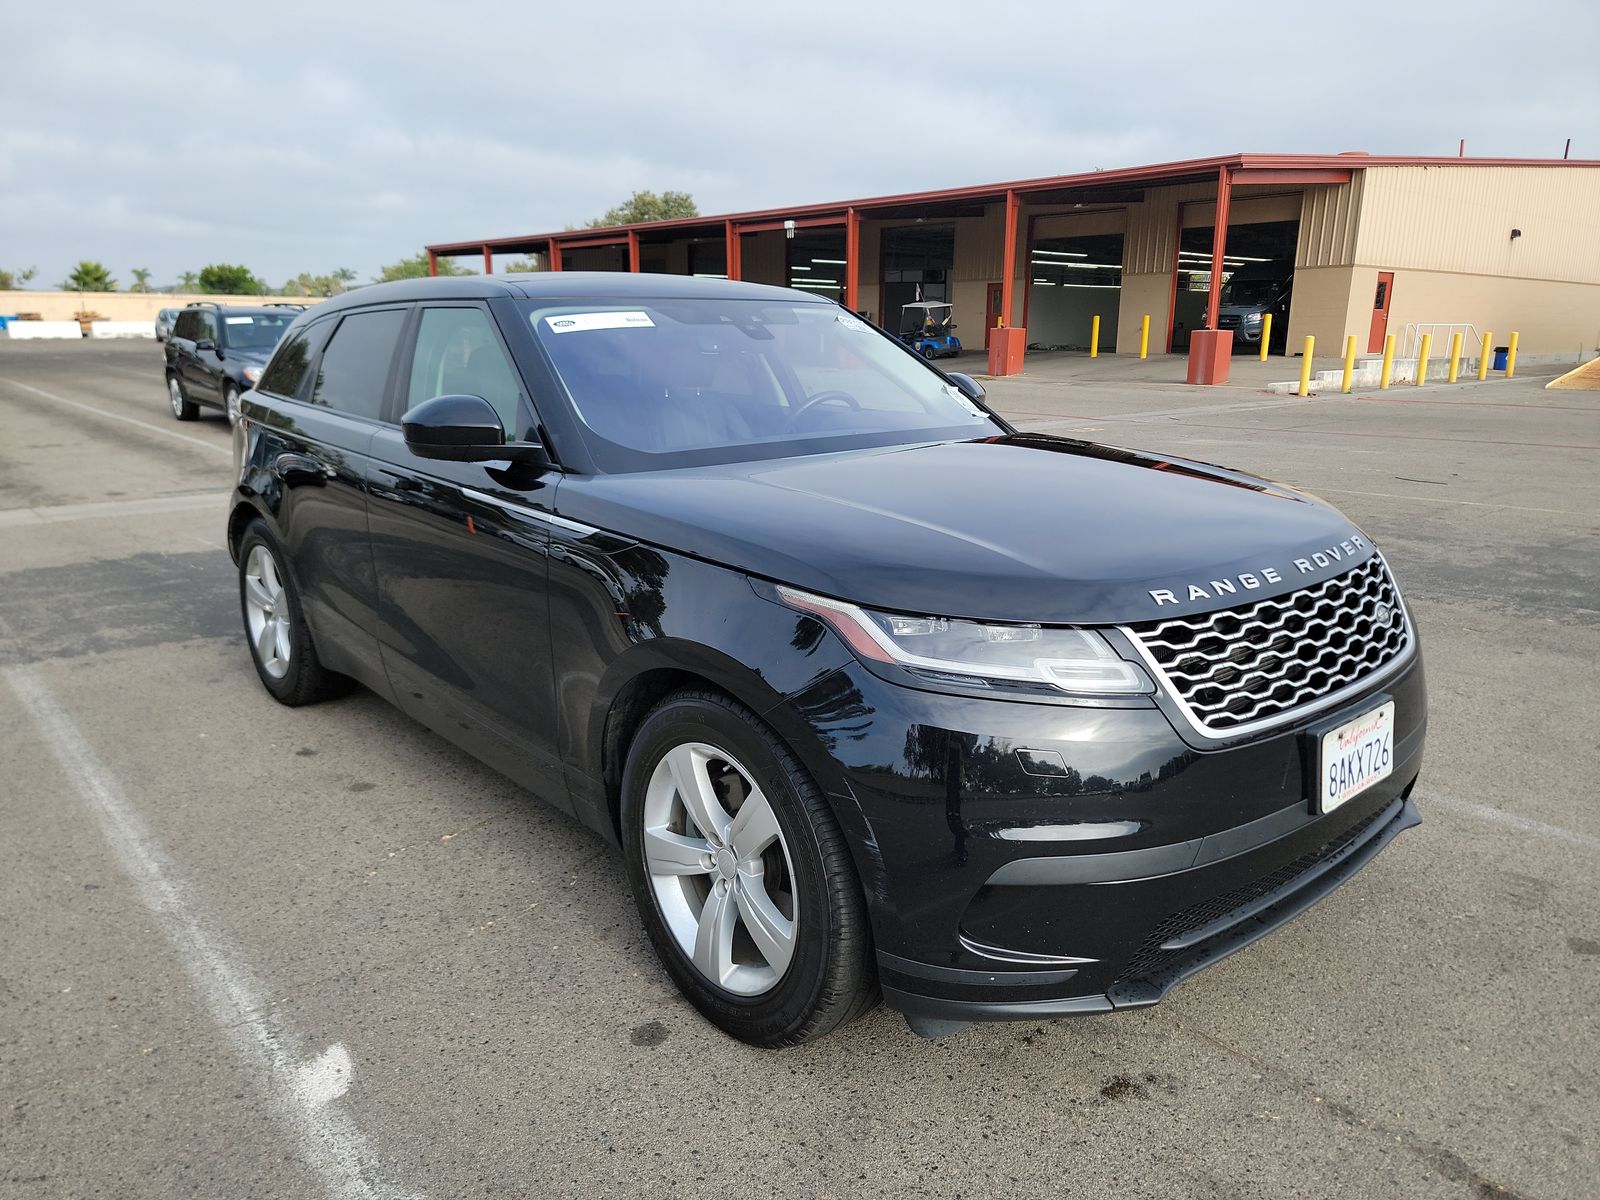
x,y
183,408
230,403
742,876
929,353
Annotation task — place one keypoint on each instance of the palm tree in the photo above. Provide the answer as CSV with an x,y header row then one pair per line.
x,y
189,281
141,279
344,277
89,276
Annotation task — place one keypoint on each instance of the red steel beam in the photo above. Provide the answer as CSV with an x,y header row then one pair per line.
x,y
433,263
798,222
1009,260
633,251
852,260
735,261
1247,176
554,255
1219,243
1172,300
488,261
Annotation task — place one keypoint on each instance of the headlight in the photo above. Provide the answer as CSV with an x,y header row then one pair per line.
x,y
1074,660
1252,318
252,375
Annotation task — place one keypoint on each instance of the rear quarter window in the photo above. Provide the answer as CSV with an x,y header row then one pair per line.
x,y
286,374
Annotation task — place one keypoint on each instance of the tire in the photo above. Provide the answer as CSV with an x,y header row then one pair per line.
x,y
230,404
276,633
793,871
183,408
929,353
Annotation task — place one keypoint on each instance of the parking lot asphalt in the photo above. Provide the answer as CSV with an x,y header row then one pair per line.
x,y
255,951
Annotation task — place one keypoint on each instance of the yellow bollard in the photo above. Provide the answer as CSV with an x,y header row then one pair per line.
x,y
1455,356
1094,337
1305,366
1144,337
1388,363
1483,357
1349,364
1422,359
1511,355
1266,334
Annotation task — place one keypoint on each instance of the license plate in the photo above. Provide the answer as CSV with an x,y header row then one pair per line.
x,y
1355,756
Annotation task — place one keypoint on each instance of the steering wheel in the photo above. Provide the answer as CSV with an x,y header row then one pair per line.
x,y
823,398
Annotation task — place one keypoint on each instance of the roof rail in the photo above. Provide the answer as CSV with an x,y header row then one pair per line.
x,y
202,304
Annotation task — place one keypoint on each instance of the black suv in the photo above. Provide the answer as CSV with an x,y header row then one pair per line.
x,y
216,354
876,694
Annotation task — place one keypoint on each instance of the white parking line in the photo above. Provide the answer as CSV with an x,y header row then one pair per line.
x,y
49,514
303,1092
1496,816
100,412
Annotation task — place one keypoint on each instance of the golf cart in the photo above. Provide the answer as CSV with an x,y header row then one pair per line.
x,y
925,326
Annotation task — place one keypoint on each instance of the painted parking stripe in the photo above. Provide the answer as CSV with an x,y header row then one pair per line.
x,y
1498,816
100,412
304,1093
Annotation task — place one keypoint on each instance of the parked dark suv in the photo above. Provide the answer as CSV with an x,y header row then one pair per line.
x,y
217,353
877,695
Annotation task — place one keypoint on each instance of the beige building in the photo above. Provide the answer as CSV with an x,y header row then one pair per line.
x,y
1342,244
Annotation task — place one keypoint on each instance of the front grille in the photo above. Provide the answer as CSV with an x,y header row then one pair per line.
x,y
1153,969
1246,667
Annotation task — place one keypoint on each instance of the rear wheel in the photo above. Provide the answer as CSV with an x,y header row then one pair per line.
x,y
183,408
929,353
742,876
275,626
230,403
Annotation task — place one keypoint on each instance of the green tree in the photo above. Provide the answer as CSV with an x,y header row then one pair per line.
x,y
416,267
16,279
647,206
141,279
225,279
519,265
189,281
344,277
89,276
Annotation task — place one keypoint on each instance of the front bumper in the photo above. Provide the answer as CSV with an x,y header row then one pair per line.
x,y
1134,860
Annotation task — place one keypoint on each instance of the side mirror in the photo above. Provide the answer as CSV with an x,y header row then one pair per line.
x,y
966,384
463,429
205,344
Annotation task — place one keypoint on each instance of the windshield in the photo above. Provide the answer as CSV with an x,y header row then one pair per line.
x,y
1249,291
256,331
684,382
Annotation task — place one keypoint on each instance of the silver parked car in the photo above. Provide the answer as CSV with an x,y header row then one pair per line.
x,y
164,322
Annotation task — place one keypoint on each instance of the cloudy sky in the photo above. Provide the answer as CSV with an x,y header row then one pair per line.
x,y
304,137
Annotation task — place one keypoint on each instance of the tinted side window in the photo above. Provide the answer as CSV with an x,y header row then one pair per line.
x,y
286,374
208,326
458,354
355,366
188,322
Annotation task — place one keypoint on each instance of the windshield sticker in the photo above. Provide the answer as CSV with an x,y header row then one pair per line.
x,y
239,320
853,323
577,322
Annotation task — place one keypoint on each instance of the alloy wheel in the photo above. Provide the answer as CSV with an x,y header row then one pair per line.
x,y
266,606
175,396
720,869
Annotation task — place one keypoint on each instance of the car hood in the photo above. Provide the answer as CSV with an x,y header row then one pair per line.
x,y
1026,528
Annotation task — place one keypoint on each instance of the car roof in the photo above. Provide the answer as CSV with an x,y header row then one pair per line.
x,y
563,285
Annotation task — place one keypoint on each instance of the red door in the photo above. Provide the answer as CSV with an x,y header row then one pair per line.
x,y
1381,300
992,311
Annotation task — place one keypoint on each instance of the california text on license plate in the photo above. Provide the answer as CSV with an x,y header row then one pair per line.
x,y
1355,756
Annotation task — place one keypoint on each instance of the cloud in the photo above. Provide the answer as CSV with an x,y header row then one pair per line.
x,y
308,137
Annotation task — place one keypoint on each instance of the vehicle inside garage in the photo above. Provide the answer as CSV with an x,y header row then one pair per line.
x,y
1259,253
